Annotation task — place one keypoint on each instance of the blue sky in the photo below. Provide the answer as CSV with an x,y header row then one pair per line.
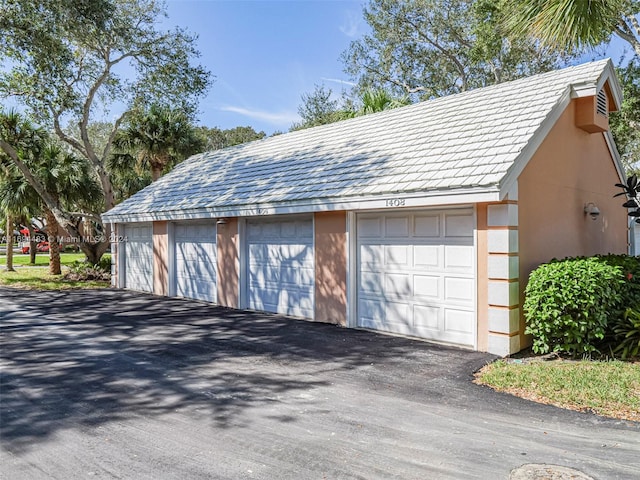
x,y
265,54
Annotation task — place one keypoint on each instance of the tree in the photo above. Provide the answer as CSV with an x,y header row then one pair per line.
x,y
572,25
625,124
64,178
433,48
320,108
631,189
27,142
67,60
378,100
216,139
156,139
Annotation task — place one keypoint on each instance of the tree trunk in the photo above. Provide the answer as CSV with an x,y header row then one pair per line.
x,y
9,235
156,172
54,246
33,244
68,221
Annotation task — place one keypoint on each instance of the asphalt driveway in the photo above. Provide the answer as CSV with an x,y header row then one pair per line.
x,y
111,384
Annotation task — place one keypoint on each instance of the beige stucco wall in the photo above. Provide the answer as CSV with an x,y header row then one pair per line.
x,y
160,258
228,281
570,169
331,267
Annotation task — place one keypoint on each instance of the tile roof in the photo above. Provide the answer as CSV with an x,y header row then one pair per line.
x,y
464,141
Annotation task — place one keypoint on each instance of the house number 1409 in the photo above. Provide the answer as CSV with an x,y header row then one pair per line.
x,y
395,202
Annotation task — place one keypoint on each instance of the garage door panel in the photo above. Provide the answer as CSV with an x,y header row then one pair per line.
x,y
371,256
139,258
416,274
426,226
371,283
458,321
398,285
427,286
195,253
398,313
396,256
457,225
370,227
281,266
459,290
426,256
460,258
427,318
395,227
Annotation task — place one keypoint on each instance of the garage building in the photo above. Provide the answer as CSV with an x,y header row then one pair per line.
x,y
424,220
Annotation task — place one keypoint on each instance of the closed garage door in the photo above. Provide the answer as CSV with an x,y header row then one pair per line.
x,y
281,266
138,258
416,274
195,257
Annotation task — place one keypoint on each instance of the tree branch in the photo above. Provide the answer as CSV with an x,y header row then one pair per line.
x,y
48,199
67,138
443,50
112,136
623,30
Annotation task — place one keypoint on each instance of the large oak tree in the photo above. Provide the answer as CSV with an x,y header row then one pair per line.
x,y
83,60
433,48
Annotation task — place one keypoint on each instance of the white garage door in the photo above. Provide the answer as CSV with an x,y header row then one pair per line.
x,y
138,257
195,257
416,274
281,266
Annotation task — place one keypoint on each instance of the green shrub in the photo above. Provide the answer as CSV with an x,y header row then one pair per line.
x,y
626,332
83,271
568,304
631,272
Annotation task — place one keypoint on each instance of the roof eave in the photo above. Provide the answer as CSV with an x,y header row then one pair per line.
x,y
449,197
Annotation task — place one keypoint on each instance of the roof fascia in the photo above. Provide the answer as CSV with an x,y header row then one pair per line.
x,y
465,196
609,75
617,161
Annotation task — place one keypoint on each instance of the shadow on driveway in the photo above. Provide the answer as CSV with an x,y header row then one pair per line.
x,y
98,356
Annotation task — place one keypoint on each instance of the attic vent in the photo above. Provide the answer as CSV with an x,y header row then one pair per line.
x,y
601,106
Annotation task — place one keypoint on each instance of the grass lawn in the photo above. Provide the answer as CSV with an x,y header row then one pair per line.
x,y
611,389
38,278
42,259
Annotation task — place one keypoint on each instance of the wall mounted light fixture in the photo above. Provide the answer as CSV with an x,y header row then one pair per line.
x,y
221,221
591,210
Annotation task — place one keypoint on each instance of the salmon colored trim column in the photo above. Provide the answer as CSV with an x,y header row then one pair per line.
x,y
161,258
228,264
482,275
114,255
331,267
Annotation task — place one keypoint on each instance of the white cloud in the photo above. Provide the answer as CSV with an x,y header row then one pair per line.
x,y
274,118
351,23
337,80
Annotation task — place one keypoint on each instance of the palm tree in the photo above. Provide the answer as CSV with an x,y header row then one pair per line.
x,y
155,140
67,179
379,99
27,140
569,25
